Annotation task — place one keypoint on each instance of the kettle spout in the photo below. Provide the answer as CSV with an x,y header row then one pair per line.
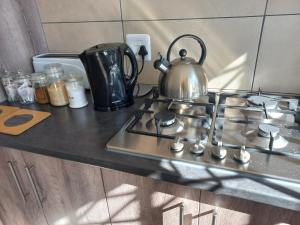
x,y
162,64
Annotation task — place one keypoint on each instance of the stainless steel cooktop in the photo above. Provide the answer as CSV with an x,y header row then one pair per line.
x,y
255,133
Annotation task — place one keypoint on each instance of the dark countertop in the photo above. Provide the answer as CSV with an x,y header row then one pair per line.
x,y
81,135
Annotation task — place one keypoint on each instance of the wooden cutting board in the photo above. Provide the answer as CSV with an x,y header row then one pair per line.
x,y
7,110
20,120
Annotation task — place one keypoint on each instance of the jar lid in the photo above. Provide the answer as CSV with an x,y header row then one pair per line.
x,y
8,75
73,77
22,76
39,77
54,69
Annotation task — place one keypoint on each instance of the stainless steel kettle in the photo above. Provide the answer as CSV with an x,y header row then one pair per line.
x,y
183,78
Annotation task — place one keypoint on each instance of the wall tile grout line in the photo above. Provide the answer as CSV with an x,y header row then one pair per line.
x,y
259,44
194,18
168,19
284,14
84,21
122,22
141,20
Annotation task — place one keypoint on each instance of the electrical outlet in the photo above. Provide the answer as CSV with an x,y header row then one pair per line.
x,y
134,41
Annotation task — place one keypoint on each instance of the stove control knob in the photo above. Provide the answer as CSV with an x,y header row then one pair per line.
x,y
177,146
197,148
242,156
220,152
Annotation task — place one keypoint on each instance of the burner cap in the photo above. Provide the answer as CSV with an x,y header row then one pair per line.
x,y
265,130
166,118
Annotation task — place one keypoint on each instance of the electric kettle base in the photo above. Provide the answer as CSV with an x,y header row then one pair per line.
x,y
114,108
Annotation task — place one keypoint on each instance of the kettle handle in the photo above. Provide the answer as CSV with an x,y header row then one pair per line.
x,y
199,40
134,67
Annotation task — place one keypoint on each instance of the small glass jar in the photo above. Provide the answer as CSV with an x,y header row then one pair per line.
x,y
10,86
25,89
56,88
40,83
76,91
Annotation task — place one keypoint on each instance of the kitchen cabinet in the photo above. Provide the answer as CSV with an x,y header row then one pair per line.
x,y
41,190
234,211
17,205
137,200
69,192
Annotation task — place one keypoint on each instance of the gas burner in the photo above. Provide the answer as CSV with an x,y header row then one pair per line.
x,y
165,118
232,130
172,129
268,130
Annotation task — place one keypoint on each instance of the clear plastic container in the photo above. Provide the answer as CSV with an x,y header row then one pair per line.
x,y
9,83
56,88
76,91
25,89
40,83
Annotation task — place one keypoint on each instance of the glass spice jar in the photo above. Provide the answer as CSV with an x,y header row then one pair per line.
x,y
76,91
24,88
40,83
56,88
10,86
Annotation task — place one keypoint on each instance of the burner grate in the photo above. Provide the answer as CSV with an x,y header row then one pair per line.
x,y
165,118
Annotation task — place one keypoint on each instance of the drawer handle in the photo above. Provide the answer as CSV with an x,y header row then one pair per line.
x,y
181,207
214,218
33,186
17,181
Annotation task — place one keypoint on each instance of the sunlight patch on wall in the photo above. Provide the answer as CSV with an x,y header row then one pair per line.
x,y
231,76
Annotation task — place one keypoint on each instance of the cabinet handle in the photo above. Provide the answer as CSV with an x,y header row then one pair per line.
x,y
33,185
214,218
12,170
181,207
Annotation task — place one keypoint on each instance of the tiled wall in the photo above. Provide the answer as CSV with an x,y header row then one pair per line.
x,y
251,43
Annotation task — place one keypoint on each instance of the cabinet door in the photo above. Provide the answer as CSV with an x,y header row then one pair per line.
x,y
135,200
69,192
234,211
16,202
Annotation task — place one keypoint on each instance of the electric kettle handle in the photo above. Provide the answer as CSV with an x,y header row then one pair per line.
x,y
199,40
134,68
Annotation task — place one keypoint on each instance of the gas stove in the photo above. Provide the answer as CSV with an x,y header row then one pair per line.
x,y
250,132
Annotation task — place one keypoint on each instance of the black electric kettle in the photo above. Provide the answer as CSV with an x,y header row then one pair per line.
x,y
111,87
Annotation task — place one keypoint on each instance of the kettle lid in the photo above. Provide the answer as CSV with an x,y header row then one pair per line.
x,y
103,47
183,59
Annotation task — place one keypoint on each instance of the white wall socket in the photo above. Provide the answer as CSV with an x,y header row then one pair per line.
x,y
135,41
